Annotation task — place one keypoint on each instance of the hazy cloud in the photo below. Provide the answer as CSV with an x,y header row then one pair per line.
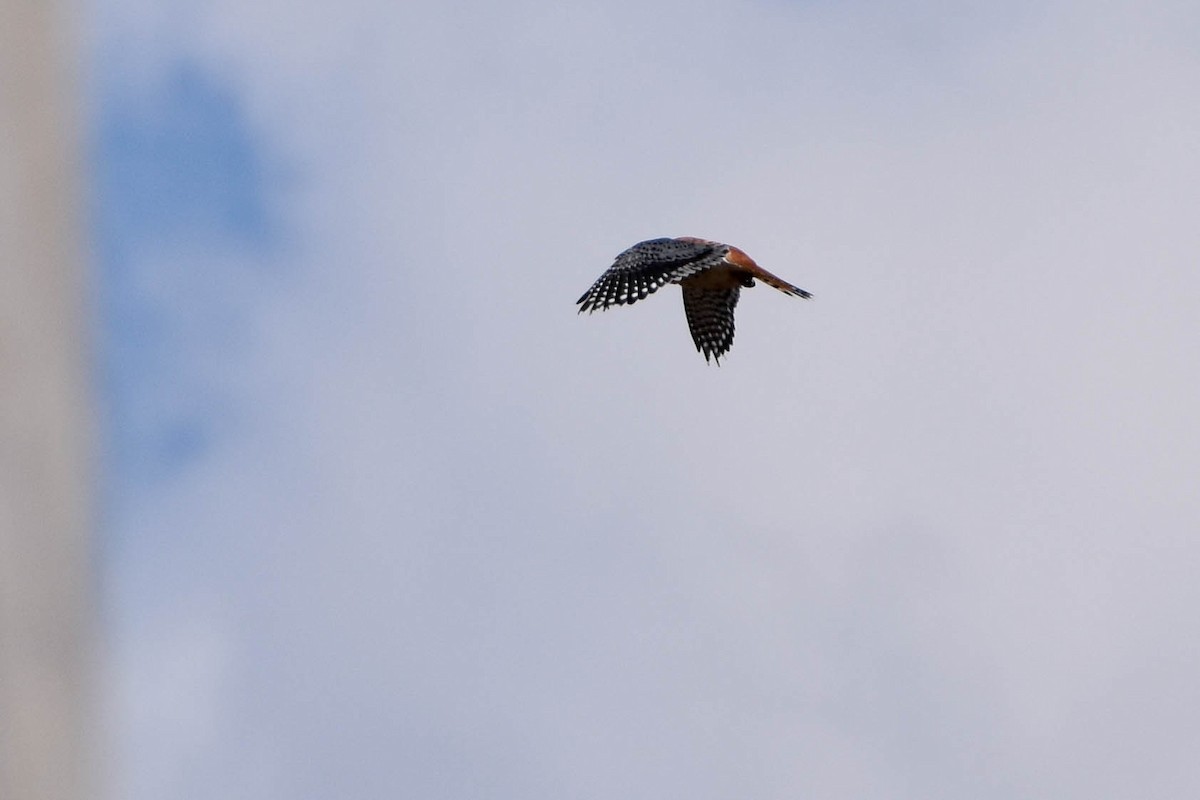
x,y
928,535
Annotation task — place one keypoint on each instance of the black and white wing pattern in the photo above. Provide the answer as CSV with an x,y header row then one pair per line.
x,y
710,318
646,267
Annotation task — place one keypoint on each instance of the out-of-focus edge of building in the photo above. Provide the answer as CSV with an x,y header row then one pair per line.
x,y
49,729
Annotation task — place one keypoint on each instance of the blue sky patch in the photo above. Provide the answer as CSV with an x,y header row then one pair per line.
x,y
183,226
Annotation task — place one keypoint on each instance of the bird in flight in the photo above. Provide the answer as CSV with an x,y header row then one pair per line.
x,y
711,275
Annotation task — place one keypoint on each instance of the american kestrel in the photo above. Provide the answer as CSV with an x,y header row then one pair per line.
x,y
711,275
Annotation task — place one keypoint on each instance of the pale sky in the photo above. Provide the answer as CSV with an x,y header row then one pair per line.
x,y
385,518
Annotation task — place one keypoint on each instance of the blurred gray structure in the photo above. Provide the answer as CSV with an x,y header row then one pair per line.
x,y
45,581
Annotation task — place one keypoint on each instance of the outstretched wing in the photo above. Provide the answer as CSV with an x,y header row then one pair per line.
x,y
710,318
647,266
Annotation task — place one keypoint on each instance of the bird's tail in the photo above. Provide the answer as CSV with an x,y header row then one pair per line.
x,y
781,284
745,262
